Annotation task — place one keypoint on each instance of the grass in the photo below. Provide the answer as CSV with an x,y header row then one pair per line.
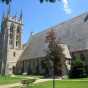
x,y
67,83
17,78
63,84
9,80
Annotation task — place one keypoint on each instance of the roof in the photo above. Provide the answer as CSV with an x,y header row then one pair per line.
x,y
74,33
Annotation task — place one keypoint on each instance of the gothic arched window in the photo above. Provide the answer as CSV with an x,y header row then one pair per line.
x,y
11,34
18,29
11,28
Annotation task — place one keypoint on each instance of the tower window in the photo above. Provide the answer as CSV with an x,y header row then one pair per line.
x,y
11,42
17,38
14,54
18,29
16,43
11,35
11,28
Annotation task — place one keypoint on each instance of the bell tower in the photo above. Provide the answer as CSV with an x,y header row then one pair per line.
x,y
11,29
15,32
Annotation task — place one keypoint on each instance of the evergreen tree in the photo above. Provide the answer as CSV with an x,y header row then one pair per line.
x,y
54,53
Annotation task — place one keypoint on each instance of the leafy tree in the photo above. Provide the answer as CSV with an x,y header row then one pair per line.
x,y
51,1
45,65
6,1
77,69
54,53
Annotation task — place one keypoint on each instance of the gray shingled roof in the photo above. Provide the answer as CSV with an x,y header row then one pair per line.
x,y
74,33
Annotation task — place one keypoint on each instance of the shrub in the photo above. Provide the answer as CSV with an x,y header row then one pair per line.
x,y
77,69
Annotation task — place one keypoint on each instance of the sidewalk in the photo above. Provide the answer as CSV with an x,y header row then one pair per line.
x,y
44,80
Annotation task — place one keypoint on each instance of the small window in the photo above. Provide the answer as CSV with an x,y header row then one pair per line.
x,y
69,61
16,43
14,54
11,35
18,29
17,37
82,57
11,28
73,56
10,42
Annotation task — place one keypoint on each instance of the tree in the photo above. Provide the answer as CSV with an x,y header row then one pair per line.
x,y
77,69
51,1
55,53
45,65
6,1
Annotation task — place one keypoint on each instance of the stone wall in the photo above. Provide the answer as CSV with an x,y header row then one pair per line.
x,y
34,67
12,58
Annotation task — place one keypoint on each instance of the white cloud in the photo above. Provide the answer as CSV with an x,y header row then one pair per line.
x,y
66,7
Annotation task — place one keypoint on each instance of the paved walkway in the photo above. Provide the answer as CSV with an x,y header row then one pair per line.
x,y
44,80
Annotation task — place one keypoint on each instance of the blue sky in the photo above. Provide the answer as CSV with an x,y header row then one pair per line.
x,y
38,17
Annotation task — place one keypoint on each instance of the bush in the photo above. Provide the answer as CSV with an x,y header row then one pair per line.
x,y
27,81
77,69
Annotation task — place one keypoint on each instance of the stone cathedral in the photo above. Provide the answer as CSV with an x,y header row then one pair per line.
x,y
12,49
17,59
10,42
74,35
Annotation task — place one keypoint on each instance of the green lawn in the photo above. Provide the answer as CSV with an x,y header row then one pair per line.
x,y
63,84
17,78
67,83
9,80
